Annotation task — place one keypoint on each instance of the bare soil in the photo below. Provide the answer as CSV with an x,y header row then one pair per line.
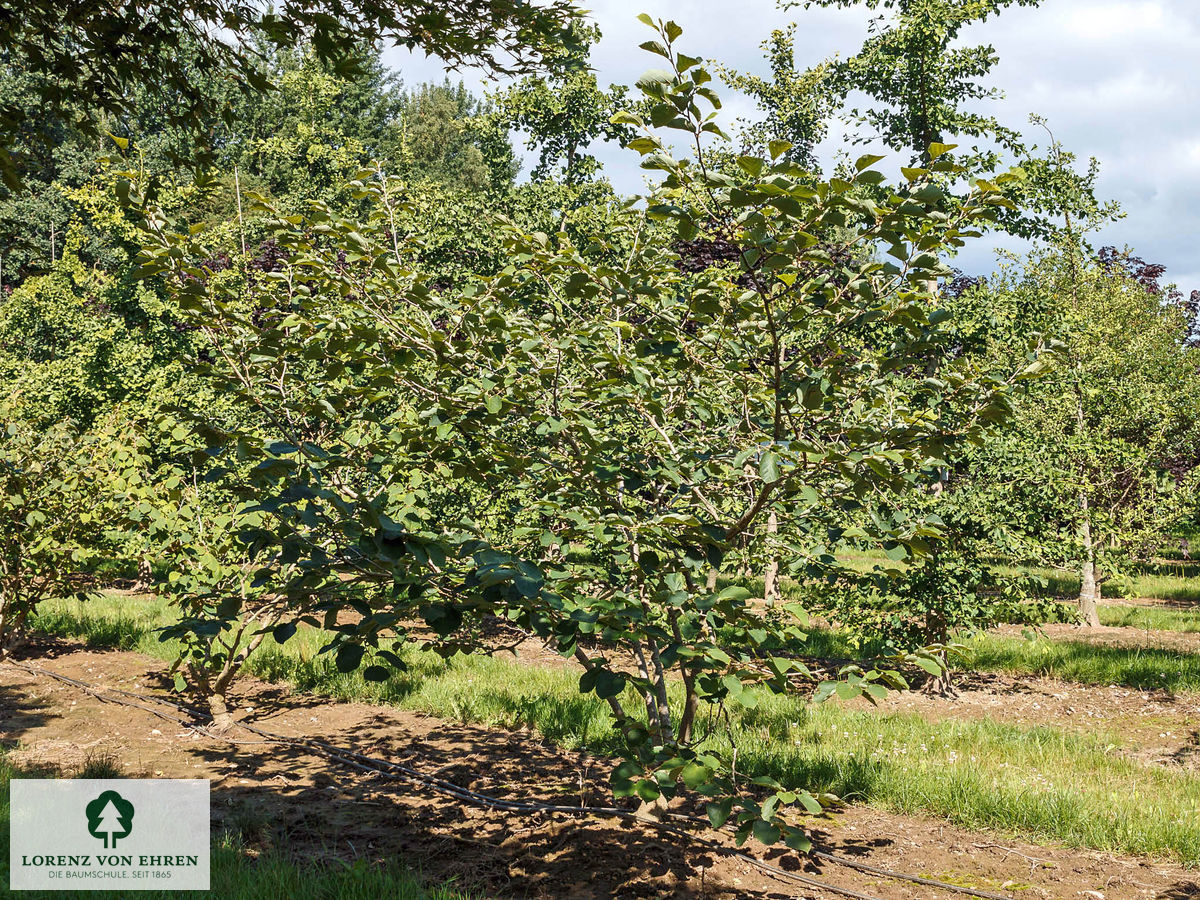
x,y
303,804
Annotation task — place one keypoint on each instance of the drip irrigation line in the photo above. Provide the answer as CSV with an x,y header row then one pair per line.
x,y
394,770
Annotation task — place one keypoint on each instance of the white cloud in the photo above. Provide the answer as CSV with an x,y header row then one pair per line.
x,y
1117,79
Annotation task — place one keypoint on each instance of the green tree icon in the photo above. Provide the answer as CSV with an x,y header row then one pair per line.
x,y
110,816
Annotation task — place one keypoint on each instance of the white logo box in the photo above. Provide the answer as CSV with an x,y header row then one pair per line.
x,y
128,834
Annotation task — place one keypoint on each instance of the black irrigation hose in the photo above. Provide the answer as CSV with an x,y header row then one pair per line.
x,y
394,770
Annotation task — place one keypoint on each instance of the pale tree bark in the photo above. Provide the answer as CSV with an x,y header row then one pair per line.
x,y
219,709
771,574
1089,587
145,576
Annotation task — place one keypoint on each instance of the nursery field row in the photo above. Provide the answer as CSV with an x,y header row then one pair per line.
x,y
1116,773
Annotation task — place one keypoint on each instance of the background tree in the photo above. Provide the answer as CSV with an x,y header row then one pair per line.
x,y
920,84
86,57
449,137
564,111
50,519
1054,202
796,105
1100,461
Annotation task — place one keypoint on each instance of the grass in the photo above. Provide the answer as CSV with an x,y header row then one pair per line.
x,y
1151,618
236,874
1040,782
1177,584
1142,668
1174,581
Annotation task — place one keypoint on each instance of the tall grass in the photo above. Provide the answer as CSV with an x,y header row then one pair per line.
x,y
1151,618
1177,584
1040,782
1143,668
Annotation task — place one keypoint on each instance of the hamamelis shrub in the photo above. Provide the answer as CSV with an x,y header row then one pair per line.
x,y
50,520
633,425
236,570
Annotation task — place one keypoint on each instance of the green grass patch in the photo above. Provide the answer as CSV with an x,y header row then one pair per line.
x,y
270,876
1143,668
1178,584
1152,618
1040,782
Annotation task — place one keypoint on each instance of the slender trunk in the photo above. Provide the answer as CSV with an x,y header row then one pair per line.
x,y
691,703
652,720
939,685
771,574
660,690
237,189
14,616
221,715
4,629
1089,588
711,584
145,576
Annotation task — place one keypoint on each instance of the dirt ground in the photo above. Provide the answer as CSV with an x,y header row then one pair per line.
x,y
267,793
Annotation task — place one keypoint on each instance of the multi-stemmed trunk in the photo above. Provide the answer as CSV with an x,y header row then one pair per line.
x,y
213,684
12,627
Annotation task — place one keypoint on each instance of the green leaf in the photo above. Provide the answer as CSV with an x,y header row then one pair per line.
x,y
348,657
768,466
694,775
798,841
766,833
929,665
655,78
778,148
719,811
609,684
735,592
648,791
734,685
654,47
846,691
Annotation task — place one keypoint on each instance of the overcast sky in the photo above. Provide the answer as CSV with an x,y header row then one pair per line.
x,y
1117,79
